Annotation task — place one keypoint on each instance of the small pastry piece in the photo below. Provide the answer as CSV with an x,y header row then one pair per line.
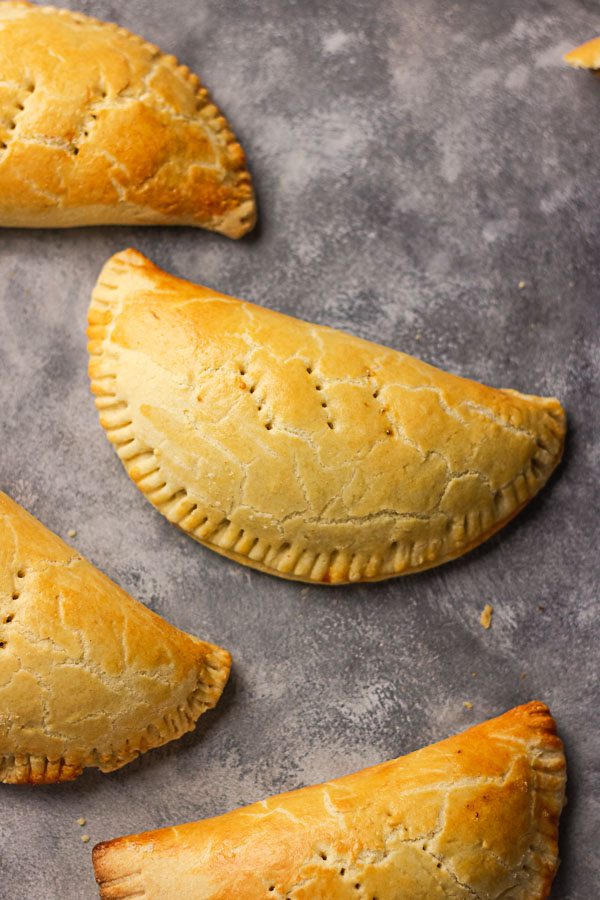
x,y
300,450
88,676
473,816
99,127
586,56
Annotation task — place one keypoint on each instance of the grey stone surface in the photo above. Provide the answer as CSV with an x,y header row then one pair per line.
x,y
413,162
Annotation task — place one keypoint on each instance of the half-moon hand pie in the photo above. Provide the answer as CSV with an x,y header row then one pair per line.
x,y
300,450
99,127
473,816
88,676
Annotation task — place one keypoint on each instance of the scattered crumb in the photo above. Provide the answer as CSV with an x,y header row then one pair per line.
x,y
85,838
71,532
417,337
474,674
522,674
542,608
404,688
467,704
486,616
521,285
336,600
81,821
571,284
532,325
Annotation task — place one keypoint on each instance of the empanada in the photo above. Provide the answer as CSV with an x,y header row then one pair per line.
x,y
473,816
586,56
300,450
99,127
88,676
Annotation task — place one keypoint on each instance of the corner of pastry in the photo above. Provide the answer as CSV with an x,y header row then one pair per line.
x,y
299,450
472,816
135,138
88,676
586,56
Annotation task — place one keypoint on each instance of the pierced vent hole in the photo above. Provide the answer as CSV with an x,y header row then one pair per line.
x,y
318,387
252,389
330,425
2,644
8,619
376,394
268,426
242,370
20,107
342,871
2,145
439,865
75,151
323,405
323,855
271,887
357,886
12,126
30,87
16,595
21,573
309,370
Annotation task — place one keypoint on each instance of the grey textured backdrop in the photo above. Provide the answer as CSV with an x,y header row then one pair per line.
x,y
413,162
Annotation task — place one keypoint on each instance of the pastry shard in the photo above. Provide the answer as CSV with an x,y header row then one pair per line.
x,y
586,56
88,676
300,450
99,127
473,816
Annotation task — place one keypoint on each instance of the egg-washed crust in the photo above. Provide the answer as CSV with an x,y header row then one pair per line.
x,y
99,127
475,816
586,56
299,450
88,676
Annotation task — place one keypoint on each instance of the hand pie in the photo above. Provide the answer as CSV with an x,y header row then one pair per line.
x,y
300,450
99,127
586,56
473,816
88,676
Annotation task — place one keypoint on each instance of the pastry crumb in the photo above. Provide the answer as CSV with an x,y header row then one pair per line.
x,y
486,616
467,704
85,838
71,532
474,674
81,821
522,674
542,608
521,285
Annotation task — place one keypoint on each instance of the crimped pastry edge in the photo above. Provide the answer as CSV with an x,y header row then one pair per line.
x,y
548,765
293,561
29,768
236,222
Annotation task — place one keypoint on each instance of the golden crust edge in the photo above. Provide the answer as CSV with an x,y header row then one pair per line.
x,y
537,728
242,218
28,769
514,496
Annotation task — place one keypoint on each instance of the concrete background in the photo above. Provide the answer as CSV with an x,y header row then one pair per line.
x,y
413,163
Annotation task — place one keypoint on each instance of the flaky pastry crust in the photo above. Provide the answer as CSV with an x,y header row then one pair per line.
x,y
586,56
88,676
300,450
473,816
99,127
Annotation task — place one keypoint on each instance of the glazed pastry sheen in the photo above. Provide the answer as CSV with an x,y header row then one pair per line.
x,y
473,816
586,56
301,450
99,127
88,676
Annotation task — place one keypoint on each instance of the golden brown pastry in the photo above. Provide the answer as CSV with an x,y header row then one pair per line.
x,y
473,816
586,56
299,450
99,127
88,676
